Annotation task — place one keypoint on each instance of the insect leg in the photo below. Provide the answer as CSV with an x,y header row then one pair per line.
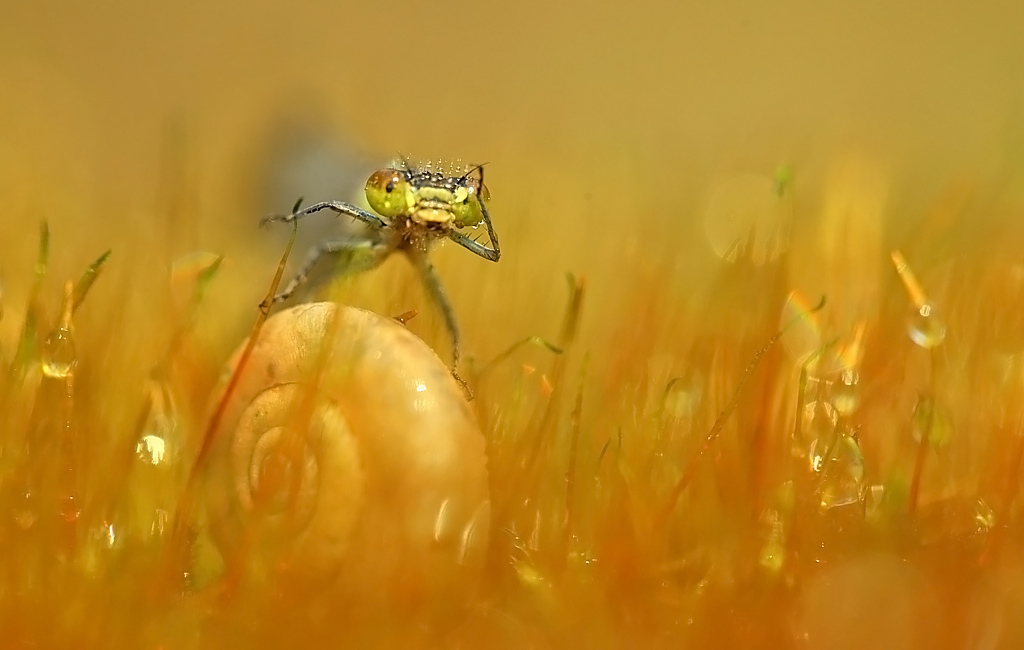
x,y
493,236
362,255
334,206
493,253
433,284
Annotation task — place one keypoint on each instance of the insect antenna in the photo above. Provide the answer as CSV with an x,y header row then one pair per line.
x,y
406,164
479,168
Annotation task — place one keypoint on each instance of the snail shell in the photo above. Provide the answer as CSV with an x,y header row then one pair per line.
x,y
392,491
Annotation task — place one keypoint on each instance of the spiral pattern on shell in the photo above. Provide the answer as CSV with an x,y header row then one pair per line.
x,y
384,491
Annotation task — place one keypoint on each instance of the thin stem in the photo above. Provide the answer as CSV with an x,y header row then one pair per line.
x,y
723,416
922,447
570,472
183,513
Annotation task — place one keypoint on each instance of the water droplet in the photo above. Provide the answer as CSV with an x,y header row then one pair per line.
x,y
682,397
156,473
802,329
110,535
846,394
58,358
159,442
151,449
925,327
816,456
843,472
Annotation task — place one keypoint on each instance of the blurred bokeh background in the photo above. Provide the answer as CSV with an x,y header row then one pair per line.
x,y
568,101
606,125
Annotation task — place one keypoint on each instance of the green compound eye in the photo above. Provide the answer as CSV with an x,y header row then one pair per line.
x,y
387,192
467,207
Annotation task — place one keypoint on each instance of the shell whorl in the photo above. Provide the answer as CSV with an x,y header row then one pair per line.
x,y
392,492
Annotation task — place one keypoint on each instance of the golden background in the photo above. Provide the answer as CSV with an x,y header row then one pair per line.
x,y
605,125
